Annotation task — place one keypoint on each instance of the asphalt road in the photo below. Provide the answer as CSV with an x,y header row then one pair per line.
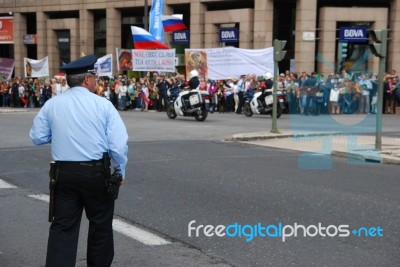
x,y
182,170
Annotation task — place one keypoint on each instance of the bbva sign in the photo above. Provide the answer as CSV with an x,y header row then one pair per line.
x,y
353,34
228,35
182,37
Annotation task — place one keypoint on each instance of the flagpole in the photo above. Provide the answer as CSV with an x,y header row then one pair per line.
x,y
146,21
146,15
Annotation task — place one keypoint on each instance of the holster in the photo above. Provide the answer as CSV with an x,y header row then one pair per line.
x,y
53,175
113,181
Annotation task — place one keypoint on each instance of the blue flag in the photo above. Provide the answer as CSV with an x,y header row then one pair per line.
x,y
156,26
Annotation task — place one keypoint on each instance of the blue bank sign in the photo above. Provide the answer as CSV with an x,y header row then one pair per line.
x,y
353,34
181,37
228,35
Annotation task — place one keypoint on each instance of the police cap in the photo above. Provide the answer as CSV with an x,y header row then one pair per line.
x,y
82,65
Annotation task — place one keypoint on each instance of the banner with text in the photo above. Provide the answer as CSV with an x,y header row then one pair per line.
x,y
162,60
6,30
225,62
36,68
6,67
104,65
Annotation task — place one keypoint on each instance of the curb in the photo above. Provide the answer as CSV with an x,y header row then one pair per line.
x,y
264,136
369,155
366,157
358,156
16,110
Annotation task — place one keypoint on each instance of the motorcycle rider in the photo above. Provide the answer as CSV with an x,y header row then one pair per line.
x,y
266,84
194,82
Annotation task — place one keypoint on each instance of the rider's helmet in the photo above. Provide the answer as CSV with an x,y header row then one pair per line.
x,y
268,76
193,73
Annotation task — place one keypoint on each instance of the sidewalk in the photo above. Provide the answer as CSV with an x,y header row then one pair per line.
x,y
359,147
11,110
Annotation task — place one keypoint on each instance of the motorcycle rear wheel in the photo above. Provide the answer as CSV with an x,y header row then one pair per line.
x,y
203,115
279,112
247,110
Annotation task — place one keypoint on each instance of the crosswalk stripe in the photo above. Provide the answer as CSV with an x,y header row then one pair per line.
x,y
42,197
138,234
4,185
124,228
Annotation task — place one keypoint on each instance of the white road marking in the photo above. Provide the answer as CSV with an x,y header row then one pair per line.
x,y
124,228
138,234
42,197
4,185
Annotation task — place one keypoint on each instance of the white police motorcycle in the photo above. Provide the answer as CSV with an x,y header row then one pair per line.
x,y
188,103
261,102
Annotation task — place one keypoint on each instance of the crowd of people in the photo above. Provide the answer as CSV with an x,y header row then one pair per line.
x,y
306,93
343,93
30,92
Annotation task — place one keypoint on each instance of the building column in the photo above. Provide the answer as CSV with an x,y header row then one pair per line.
x,y
86,33
197,15
394,35
263,23
329,17
215,18
113,34
41,32
168,35
306,21
52,43
19,47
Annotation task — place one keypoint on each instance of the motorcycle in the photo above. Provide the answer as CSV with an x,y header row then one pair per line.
x,y
188,103
254,103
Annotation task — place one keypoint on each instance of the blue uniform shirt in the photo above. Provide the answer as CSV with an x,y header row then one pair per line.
x,y
81,126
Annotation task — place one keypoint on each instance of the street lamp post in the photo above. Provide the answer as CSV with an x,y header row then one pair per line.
x,y
378,48
279,55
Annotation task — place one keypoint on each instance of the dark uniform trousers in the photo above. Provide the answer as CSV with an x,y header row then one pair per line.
x,y
164,97
241,102
81,187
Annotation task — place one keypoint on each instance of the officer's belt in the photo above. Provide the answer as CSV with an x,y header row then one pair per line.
x,y
92,163
83,167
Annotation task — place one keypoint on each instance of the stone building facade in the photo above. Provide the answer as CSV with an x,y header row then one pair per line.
x,y
312,27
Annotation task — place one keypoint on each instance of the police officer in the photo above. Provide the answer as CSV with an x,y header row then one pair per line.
x,y
194,81
241,90
162,86
266,84
81,126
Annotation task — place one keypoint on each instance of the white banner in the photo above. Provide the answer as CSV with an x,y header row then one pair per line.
x,y
104,65
222,63
162,60
36,68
